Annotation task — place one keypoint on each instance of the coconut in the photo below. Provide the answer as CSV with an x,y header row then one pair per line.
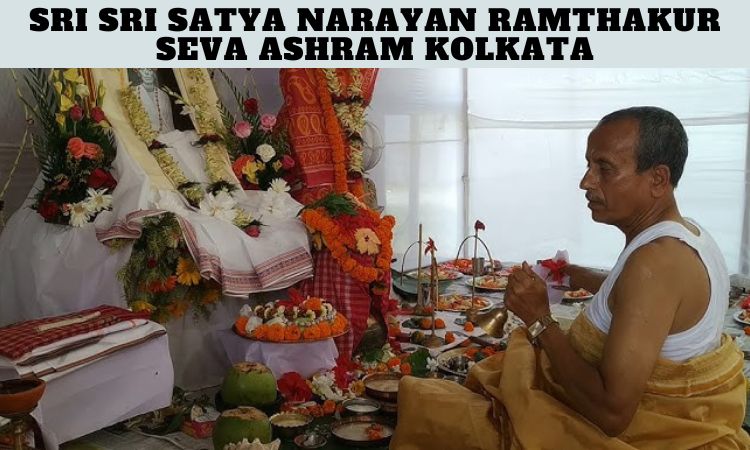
x,y
234,425
249,384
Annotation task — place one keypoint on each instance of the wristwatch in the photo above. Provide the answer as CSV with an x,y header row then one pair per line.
x,y
541,324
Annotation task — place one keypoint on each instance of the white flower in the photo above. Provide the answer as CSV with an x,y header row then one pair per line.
x,y
220,206
97,200
255,445
279,185
169,202
324,386
253,323
265,152
247,311
82,90
79,214
432,364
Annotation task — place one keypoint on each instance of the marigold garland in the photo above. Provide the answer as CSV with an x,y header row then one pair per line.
x,y
334,132
340,243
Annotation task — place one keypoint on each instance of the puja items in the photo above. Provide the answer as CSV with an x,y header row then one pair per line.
x,y
552,271
363,431
288,425
294,320
235,425
249,384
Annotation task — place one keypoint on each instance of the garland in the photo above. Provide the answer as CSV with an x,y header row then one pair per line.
x,y
207,126
350,110
362,231
334,133
191,190
161,277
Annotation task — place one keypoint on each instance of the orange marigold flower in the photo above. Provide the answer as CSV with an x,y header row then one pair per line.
x,y
329,407
292,333
406,368
261,332
393,362
339,324
311,332
325,329
314,303
240,324
276,332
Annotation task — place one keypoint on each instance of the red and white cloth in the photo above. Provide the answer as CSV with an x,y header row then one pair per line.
x,y
22,338
349,296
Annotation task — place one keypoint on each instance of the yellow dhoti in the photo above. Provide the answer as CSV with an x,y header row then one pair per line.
x,y
510,401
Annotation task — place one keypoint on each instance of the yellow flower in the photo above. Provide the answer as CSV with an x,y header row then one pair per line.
x,y
367,241
142,305
73,76
58,87
60,118
251,171
65,103
187,272
277,165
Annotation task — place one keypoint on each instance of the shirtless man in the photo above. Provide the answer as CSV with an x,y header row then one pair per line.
x,y
669,280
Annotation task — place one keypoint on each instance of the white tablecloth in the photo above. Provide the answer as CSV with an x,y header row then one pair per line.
x,y
304,358
129,382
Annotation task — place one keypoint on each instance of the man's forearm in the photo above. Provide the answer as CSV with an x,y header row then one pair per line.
x,y
582,382
586,278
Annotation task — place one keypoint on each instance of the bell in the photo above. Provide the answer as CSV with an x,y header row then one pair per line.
x,y
492,321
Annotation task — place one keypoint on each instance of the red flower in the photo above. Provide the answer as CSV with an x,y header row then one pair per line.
x,y
76,113
97,115
341,372
287,162
253,231
251,106
48,209
100,178
295,296
151,263
294,388
478,225
430,247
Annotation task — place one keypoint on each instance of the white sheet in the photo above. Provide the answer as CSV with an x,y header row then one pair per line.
x,y
306,359
127,383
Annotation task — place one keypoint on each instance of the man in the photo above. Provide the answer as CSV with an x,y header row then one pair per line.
x,y
646,365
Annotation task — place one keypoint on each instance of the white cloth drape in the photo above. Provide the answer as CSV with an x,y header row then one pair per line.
x,y
527,140
507,147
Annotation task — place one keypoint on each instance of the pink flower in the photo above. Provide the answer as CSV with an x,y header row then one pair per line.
x,y
267,122
242,129
76,113
76,147
287,162
92,151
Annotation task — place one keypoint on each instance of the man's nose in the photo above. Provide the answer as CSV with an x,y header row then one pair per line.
x,y
587,182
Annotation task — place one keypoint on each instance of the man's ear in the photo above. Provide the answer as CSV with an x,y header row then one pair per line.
x,y
661,178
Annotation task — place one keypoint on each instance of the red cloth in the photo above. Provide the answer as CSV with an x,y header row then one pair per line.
x,y
349,296
555,269
303,116
18,339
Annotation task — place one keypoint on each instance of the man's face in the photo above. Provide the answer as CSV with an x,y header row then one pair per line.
x,y
615,191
